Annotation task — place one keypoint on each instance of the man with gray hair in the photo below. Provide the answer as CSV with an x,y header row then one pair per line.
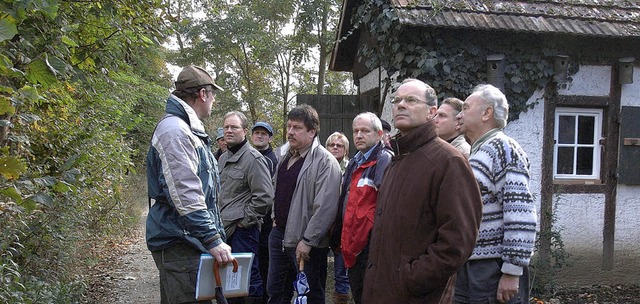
x,y
498,268
359,191
246,196
447,125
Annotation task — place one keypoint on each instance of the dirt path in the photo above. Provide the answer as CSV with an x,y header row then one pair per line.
x,y
136,280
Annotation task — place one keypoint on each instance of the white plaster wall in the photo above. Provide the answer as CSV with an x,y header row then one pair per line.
x,y
370,81
630,94
528,131
580,219
589,81
627,223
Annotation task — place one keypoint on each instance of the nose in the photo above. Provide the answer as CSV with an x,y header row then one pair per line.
x,y
459,116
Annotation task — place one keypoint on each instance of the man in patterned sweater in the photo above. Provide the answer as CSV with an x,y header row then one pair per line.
x,y
498,268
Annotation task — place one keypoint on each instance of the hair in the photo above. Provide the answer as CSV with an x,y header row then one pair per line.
x,y
430,98
240,115
373,118
190,94
495,98
307,115
455,103
340,137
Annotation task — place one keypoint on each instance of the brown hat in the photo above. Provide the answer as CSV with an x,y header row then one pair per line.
x,y
193,77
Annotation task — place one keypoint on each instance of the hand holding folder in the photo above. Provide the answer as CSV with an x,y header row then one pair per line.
x,y
230,282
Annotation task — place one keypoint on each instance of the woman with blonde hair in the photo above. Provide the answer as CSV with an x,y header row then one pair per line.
x,y
338,144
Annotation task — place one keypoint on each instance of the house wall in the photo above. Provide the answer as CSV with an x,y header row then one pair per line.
x,y
580,217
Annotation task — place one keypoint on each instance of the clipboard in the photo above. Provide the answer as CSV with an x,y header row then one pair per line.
x,y
234,284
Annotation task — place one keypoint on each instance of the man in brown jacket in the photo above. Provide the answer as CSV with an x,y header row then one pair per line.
x,y
428,210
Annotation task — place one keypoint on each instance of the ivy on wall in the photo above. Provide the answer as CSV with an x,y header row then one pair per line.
x,y
453,61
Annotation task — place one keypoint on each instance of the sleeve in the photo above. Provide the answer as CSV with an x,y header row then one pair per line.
x,y
180,164
519,212
325,203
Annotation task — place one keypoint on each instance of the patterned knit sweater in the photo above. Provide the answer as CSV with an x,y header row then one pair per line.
x,y
508,228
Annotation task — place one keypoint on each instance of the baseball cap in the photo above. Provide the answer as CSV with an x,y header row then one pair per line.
x,y
220,133
193,77
385,125
263,125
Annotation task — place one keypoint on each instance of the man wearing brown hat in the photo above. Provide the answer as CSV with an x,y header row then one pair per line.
x,y
182,178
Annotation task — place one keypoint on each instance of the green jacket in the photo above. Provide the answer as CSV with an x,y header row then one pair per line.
x,y
246,189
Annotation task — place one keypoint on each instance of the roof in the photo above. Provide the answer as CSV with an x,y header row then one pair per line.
x,y
587,18
605,18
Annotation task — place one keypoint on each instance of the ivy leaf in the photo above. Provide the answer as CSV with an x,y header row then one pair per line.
x,y
399,57
446,68
56,65
68,41
11,167
409,58
13,193
40,198
61,187
39,72
7,30
6,107
46,181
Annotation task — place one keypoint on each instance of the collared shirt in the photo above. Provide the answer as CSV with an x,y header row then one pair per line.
x,y
360,158
297,154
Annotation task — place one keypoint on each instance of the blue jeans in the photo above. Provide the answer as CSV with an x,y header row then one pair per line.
x,y
340,274
283,269
246,240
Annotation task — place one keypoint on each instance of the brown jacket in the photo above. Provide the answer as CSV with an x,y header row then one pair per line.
x,y
427,218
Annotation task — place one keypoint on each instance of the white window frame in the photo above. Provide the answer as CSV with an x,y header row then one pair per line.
x,y
597,149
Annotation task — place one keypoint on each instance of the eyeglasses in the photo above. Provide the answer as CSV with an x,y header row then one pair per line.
x,y
335,145
408,99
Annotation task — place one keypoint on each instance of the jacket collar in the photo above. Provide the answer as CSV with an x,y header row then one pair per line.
x,y
416,138
178,107
235,156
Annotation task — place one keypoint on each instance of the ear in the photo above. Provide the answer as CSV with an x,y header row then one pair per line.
x,y
202,94
432,111
487,113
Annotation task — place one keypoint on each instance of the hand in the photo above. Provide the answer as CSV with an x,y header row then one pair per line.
x,y
302,251
507,287
222,253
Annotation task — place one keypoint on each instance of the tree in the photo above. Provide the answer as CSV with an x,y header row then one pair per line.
x,y
71,74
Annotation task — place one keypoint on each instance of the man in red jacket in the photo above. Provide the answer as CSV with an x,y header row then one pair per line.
x,y
428,209
358,195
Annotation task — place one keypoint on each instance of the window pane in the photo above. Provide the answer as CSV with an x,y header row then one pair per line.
x,y
565,160
585,129
585,161
566,129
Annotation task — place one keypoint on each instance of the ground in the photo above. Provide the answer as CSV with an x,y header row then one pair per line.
x,y
127,274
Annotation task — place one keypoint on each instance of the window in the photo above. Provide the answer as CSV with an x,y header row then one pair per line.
x,y
576,152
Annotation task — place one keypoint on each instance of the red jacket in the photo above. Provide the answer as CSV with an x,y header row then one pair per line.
x,y
361,203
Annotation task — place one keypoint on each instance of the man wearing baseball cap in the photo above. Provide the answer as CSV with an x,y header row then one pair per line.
x,y
182,178
261,138
222,144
